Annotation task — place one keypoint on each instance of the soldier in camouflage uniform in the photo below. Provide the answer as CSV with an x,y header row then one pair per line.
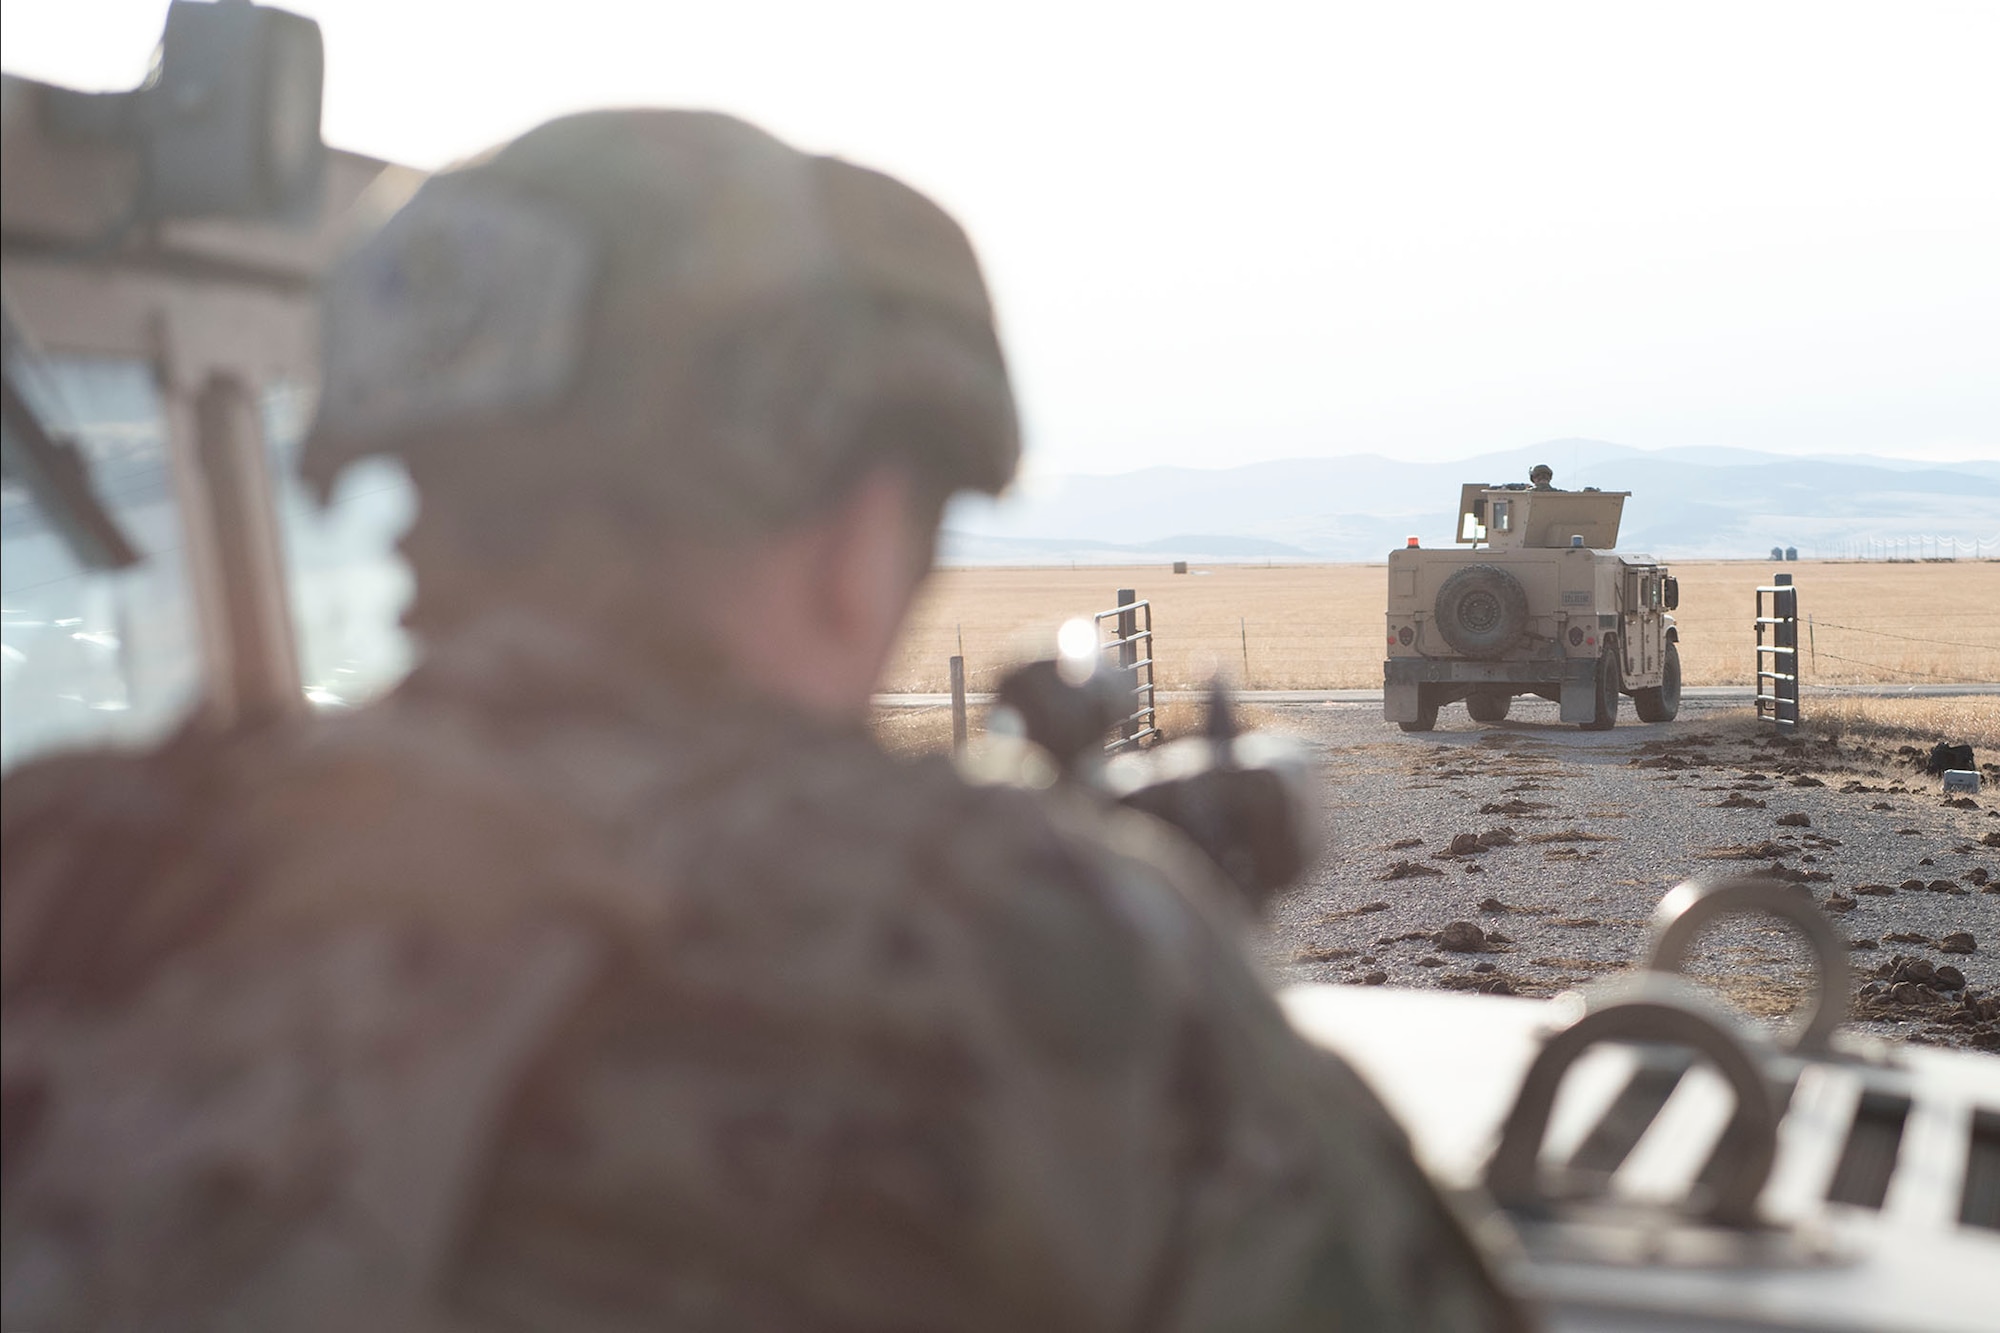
x,y
606,976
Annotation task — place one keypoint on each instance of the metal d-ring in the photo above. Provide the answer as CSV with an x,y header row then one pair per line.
x,y
1656,1010
1684,913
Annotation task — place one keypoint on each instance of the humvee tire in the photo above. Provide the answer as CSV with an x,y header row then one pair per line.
x,y
1488,705
1663,702
1610,683
1427,712
1482,611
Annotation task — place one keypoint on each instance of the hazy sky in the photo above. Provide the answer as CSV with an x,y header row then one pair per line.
x,y
1222,233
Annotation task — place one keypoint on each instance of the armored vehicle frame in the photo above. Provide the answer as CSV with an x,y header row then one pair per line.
x,y
1539,604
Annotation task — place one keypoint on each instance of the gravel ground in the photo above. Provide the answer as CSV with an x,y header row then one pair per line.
x,y
1576,835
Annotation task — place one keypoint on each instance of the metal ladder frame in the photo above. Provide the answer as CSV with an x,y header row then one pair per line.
x,y
1778,690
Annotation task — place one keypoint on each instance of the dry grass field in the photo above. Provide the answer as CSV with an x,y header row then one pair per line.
x,y
1319,626
1920,722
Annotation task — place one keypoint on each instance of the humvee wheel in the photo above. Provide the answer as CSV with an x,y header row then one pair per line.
x,y
1610,682
1661,703
1488,705
1427,712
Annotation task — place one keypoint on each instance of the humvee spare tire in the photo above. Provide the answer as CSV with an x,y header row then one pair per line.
x,y
1482,610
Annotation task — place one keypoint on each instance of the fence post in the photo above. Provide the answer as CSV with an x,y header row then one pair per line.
x,y
1128,648
1778,665
957,705
1785,607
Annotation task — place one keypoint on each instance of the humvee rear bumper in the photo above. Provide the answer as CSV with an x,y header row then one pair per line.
x,y
1409,681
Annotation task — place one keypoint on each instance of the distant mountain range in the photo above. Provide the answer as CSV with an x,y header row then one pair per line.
x,y
1694,503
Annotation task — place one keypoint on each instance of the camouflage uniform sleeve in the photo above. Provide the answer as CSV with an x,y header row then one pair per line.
x,y
944,1058
1299,1203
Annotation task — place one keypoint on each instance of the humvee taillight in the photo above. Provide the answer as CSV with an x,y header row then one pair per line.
x,y
1406,636
1575,635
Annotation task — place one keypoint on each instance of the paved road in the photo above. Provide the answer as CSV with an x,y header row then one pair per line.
x,y
1717,693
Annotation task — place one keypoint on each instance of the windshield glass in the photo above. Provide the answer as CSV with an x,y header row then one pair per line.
x,y
94,656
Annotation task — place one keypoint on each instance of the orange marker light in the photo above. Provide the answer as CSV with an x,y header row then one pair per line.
x,y
1411,544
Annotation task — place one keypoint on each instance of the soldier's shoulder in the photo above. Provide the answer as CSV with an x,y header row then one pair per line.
x,y
85,839
1053,869
1004,821
116,861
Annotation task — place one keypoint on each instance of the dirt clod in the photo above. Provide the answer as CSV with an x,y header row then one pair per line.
x,y
1516,806
1756,851
1572,835
1900,968
1959,941
1408,870
1461,937
1349,913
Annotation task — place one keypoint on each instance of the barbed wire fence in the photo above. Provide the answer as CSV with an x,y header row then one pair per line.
x,y
1983,662
1301,649
1915,546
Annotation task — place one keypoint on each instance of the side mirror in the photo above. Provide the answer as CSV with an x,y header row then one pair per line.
x,y
1673,592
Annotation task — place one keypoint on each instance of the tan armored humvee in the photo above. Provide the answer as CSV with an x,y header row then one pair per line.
x,y
1539,605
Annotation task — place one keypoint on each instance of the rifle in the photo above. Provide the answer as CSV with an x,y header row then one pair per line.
x,y
1248,801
